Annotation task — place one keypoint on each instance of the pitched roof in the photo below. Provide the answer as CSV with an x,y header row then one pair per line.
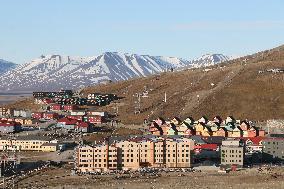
x,y
214,139
67,121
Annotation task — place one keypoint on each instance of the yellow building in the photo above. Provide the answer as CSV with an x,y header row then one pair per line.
x,y
28,143
49,147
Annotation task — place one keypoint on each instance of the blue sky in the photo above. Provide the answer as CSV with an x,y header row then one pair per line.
x,y
182,28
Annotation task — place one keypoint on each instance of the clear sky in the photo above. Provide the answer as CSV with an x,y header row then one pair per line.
x,y
182,28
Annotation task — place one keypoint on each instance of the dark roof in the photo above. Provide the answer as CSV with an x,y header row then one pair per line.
x,y
49,144
276,135
214,139
197,139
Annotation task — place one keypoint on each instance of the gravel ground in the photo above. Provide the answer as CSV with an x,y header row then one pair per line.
x,y
61,178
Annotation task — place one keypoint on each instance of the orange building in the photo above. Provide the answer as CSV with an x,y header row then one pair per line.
x,y
134,153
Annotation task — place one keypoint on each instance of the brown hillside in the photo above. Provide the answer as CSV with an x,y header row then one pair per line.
x,y
239,90
234,88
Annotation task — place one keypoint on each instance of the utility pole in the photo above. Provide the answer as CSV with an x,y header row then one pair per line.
x,y
165,97
137,104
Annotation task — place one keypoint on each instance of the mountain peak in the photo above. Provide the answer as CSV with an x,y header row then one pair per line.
x,y
5,66
52,72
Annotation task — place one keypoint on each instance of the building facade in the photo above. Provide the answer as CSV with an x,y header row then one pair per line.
x,y
273,149
133,154
232,153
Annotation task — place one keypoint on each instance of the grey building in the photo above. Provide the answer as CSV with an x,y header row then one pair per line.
x,y
273,149
22,113
232,153
10,127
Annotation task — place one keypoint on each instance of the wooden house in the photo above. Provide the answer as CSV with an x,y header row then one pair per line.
x,y
155,129
189,120
217,120
199,128
237,132
176,121
252,132
172,130
160,121
189,132
230,119
244,125
222,131
203,119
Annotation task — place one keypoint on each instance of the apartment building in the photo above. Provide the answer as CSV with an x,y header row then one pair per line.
x,y
97,158
177,152
28,143
232,153
273,149
134,153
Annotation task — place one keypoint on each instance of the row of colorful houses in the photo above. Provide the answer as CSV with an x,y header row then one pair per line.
x,y
217,127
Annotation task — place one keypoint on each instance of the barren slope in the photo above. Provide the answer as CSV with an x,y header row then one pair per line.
x,y
236,89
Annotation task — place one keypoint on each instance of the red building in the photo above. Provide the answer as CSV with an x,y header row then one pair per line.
x,y
50,115
37,115
83,127
94,119
55,107
47,101
69,107
75,117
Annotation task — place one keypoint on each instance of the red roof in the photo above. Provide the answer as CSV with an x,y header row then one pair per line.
x,y
63,120
8,123
255,140
82,124
67,121
207,146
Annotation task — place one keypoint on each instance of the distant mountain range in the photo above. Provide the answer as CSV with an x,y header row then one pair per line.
x,y
52,72
5,66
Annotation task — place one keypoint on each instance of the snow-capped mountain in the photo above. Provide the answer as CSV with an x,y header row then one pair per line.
x,y
53,72
6,66
210,59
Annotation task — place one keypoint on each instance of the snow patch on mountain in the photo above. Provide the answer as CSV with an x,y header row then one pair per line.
x,y
53,72
6,66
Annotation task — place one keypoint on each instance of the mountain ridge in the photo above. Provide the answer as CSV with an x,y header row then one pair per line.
x,y
6,66
52,72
